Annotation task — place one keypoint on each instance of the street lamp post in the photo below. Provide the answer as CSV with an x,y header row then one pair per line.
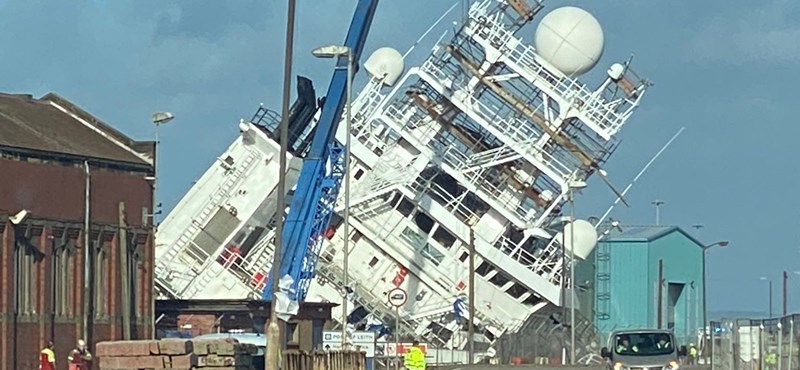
x,y
159,118
658,204
573,185
335,51
273,329
721,244
770,294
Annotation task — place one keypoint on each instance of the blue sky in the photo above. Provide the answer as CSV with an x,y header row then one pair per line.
x,y
725,70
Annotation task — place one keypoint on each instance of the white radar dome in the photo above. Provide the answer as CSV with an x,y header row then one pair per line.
x,y
386,62
584,241
570,39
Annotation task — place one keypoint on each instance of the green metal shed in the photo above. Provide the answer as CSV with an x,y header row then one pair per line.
x,y
621,279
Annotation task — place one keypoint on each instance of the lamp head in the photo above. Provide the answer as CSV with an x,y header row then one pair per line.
x,y
330,51
161,118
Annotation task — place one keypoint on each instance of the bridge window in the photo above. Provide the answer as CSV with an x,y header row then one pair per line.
x,y
516,290
463,257
499,279
424,222
443,237
484,269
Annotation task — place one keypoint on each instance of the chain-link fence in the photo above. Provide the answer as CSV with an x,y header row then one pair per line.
x,y
545,339
747,344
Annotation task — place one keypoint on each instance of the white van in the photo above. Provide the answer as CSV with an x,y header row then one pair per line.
x,y
643,350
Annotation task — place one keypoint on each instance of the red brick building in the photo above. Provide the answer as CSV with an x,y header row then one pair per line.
x,y
71,265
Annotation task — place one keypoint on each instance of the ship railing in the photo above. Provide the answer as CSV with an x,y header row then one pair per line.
x,y
421,133
501,193
447,200
198,262
551,261
207,211
483,159
518,131
585,101
182,272
539,266
365,105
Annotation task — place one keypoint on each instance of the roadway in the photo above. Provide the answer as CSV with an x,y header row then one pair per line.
x,y
545,367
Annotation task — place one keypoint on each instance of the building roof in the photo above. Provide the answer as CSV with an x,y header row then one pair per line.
x,y
53,125
645,233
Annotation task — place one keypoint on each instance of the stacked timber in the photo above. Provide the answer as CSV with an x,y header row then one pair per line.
x,y
211,354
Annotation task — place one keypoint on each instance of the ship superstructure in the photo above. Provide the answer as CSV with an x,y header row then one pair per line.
x,y
479,144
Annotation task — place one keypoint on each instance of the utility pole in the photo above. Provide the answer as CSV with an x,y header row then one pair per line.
x,y
658,205
660,293
470,330
273,331
770,299
785,290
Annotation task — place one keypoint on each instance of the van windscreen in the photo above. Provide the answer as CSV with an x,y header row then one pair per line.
x,y
643,344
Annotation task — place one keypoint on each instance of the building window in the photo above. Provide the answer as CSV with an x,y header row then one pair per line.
x,y
101,282
64,277
25,281
137,274
359,173
373,262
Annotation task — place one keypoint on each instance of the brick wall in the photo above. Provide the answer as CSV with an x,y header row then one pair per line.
x,y
58,317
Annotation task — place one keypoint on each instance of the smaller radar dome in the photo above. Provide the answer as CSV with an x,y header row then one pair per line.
x,y
585,238
386,62
570,39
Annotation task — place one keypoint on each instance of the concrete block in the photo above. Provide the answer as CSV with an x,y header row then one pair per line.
x,y
154,348
125,348
136,362
174,346
217,360
183,361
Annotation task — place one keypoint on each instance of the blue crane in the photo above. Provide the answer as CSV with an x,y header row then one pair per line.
x,y
322,173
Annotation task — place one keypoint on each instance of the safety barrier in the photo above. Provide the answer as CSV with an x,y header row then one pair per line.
x,y
324,360
755,344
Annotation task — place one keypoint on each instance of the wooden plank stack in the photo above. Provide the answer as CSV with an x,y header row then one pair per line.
x,y
324,360
185,354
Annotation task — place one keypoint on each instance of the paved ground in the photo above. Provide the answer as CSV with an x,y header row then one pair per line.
x,y
542,367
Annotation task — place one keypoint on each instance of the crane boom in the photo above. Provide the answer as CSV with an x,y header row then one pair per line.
x,y
322,172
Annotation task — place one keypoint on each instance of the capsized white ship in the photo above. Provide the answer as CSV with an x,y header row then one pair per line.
x,y
487,135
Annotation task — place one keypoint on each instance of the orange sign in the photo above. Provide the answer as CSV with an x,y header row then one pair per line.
x,y
404,347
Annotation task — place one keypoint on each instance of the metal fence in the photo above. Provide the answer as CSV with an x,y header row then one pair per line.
x,y
755,344
543,339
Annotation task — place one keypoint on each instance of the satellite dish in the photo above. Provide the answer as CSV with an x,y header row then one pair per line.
x,y
585,238
386,63
570,39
